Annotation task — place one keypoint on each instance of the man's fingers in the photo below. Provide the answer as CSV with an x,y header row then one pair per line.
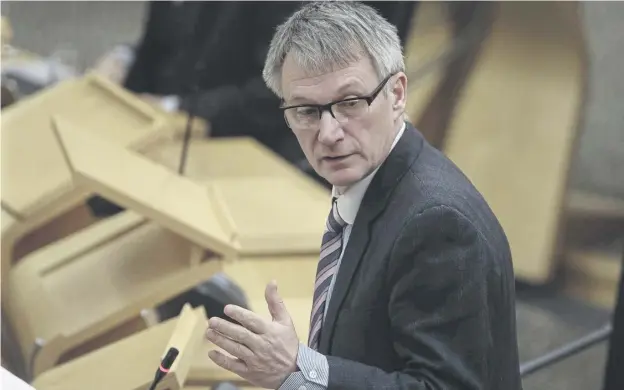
x,y
233,331
234,365
276,304
232,347
246,318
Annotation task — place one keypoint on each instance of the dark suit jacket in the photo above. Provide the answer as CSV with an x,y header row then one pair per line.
x,y
424,297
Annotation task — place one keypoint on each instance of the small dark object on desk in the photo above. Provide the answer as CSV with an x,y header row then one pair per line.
x,y
212,294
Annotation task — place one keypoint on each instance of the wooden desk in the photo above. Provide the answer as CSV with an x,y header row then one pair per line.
x,y
175,234
37,182
33,165
137,354
229,158
134,360
54,290
252,185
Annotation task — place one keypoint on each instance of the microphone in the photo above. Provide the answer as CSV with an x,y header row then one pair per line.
x,y
164,367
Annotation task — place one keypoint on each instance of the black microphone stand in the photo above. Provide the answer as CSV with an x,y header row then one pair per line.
x,y
226,18
614,377
614,332
192,108
164,367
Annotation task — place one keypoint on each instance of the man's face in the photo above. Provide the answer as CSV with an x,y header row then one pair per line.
x,y
345,152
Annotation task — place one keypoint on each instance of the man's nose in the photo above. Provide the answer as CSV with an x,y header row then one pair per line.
x,y
330,131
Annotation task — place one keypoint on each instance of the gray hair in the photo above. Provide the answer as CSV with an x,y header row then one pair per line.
x,y
327,35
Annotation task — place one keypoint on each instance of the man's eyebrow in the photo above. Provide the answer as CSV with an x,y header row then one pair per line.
x,y
297,100
348,88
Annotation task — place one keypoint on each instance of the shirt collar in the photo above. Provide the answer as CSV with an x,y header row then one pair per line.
x,y
348,203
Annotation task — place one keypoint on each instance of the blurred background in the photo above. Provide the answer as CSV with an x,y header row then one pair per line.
x,y
526,97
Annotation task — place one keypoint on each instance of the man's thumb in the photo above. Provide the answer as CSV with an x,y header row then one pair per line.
x,y
276,303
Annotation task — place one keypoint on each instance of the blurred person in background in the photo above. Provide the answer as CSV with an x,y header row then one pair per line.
x,y
218,49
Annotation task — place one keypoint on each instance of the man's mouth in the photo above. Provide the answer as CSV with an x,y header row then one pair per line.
x,y
336,158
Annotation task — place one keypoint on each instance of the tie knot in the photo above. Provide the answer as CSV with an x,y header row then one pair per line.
x,y
335,223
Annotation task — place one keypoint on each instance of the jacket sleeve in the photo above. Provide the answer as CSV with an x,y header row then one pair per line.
x,y
438,309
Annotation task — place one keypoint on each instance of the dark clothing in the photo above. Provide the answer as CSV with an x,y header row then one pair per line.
x,y
424,298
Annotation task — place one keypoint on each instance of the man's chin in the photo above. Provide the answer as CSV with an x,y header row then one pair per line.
x,y
343,177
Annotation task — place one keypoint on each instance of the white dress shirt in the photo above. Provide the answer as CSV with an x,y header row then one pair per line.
x,y
348,206
313,367
11,382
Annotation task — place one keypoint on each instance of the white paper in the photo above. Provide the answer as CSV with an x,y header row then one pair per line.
x,y
11,382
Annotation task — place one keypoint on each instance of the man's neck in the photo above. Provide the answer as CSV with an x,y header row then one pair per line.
x,y
340,190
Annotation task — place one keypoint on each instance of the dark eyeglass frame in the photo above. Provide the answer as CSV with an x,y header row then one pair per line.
x,y
328,107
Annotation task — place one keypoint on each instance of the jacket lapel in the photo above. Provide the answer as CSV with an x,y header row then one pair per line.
x,y
374,202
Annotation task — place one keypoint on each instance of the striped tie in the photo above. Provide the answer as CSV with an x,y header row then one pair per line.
x,y
331,249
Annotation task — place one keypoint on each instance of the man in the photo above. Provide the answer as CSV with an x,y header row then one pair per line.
x,y
415,287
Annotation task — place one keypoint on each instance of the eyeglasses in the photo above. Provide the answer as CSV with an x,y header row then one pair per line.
x,y
308,116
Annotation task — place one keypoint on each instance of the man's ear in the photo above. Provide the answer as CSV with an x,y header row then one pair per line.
x,y
398,94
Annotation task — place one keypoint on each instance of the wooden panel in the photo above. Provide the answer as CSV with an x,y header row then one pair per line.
x,y
269,205
120,331
219,157
294,274
113,275
514,131
273,215
7,220
131,359
60,227
126,178
135,354
33,168
295,283
32,171
186,337
430,35
134,360
81,287
238,157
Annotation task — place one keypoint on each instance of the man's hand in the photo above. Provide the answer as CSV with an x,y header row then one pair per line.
x,y
264,352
